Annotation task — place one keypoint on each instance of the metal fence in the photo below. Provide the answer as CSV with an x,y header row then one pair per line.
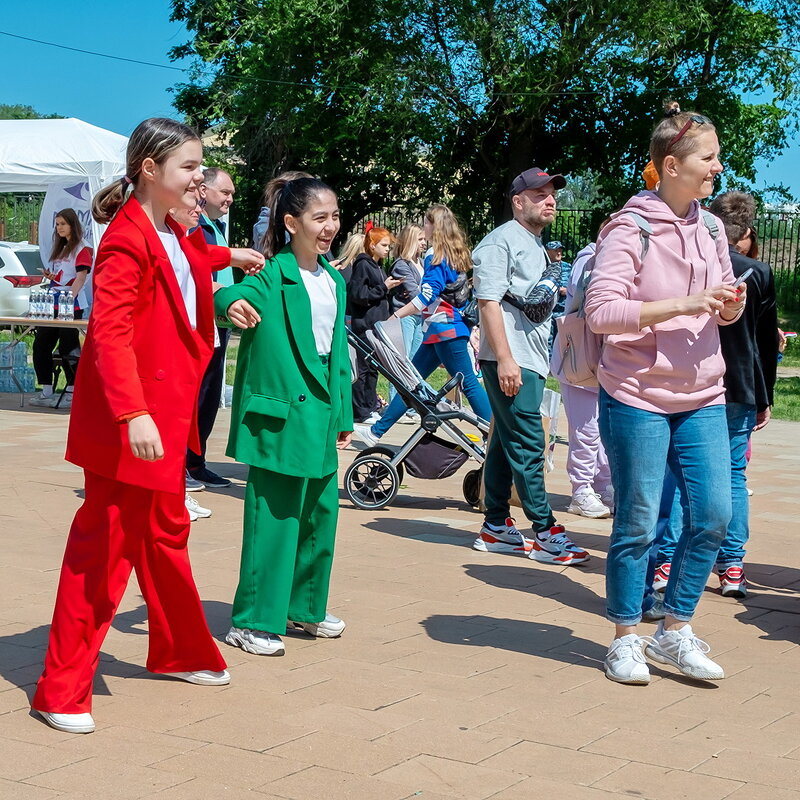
x,y
19,217
778,235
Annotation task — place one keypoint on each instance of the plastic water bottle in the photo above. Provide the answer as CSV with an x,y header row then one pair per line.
x,y
31,301
36,303
69,312
49,304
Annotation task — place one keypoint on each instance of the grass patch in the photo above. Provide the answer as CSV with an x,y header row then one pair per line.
x,y
787,399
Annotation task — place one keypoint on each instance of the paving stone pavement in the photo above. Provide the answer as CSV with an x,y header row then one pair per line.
x,y
461,675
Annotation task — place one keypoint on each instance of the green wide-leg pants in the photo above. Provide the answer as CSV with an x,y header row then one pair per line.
x,y
287,551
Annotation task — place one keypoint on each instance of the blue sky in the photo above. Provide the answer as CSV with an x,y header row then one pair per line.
x,y
118,95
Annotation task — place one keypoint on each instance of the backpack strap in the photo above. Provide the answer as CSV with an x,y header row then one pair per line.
x,y
710,222
645,231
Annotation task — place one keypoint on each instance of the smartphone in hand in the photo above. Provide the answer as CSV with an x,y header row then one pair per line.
x,y
743,277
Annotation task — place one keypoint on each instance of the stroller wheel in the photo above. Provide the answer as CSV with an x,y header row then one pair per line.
x,y
371,482
387,452
472,486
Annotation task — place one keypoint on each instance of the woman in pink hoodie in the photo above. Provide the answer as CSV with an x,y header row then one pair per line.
x,y
661,285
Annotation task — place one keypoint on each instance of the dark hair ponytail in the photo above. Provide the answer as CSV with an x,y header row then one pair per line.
x,y
153,138
286,195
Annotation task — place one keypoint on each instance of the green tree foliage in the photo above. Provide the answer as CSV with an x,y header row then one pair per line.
x,y
398,102
23,112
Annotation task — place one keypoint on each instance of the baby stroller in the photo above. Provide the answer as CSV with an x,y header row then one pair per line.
x,y
373,479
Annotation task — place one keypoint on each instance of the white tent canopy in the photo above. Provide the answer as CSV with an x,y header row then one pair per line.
x,y
35,153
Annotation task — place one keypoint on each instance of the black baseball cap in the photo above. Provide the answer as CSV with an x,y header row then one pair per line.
x,y
533,178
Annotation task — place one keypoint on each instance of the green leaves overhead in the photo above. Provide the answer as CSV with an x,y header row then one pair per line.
x,y
402,102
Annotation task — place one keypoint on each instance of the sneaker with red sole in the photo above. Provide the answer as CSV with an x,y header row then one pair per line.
x,y
553,546
661,578
502,539
732,582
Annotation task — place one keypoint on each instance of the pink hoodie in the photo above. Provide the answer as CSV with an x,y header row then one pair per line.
x,y
672,366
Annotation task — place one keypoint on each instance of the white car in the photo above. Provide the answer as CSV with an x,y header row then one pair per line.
x,y
20,269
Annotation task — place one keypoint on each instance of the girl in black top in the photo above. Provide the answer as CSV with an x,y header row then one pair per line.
x,y
368,302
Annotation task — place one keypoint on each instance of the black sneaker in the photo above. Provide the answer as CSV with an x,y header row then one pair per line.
x,y
209,478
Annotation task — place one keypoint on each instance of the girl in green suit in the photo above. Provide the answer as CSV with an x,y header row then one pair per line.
x,y
291,411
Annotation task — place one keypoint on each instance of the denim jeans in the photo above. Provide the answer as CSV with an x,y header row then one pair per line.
x,y
741,421
454,354
640,445
412,339
412,333
670,520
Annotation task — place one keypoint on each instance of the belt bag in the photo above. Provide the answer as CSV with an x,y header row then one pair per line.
x,y
538,305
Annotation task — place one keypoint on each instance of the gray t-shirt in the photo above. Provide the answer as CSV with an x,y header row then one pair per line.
x,y
511,257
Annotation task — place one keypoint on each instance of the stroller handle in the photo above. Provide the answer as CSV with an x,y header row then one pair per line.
x,y
456,380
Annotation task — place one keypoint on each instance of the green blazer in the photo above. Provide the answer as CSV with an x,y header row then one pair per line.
x,y
288,408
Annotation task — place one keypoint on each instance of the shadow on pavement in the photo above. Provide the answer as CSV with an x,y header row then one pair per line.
x,y
542,581
22,654
520,636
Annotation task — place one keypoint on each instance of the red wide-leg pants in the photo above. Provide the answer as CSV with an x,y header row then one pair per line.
x,y
121,527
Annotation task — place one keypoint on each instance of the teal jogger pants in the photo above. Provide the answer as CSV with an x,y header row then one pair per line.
x,y
516,451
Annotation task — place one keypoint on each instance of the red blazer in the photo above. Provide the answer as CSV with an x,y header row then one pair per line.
x,y
141,353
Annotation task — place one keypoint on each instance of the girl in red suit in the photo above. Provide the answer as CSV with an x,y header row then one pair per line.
x,y
150,337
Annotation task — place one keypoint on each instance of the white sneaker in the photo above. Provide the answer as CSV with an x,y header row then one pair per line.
x,y
502,539
364,432
682,649
625,661
330,628
44,401
195,509
69,723
259,643
203,677
372,418
587,503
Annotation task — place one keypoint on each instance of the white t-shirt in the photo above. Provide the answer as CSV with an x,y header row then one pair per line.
x,y
322,294
183,272
66,270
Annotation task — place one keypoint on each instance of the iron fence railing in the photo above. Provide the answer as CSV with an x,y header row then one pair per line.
x,y
778,235
19,217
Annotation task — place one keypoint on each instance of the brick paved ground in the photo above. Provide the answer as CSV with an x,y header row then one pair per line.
x,y
462,674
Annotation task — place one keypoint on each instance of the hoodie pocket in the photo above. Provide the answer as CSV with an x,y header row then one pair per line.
x,y
633,352
689,359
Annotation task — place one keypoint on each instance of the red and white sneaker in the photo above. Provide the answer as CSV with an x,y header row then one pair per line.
x,y
502,539
661,578
732,582
553,546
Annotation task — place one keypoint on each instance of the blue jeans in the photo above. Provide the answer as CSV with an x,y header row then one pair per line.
x,y
454,354
412,333
670,520
412,339
741,421
640,445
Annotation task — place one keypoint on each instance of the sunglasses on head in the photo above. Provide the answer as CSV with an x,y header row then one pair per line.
x,y
696,119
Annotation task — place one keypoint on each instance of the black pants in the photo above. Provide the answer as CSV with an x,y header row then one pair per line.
x,y
208,400
365,396
44,343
